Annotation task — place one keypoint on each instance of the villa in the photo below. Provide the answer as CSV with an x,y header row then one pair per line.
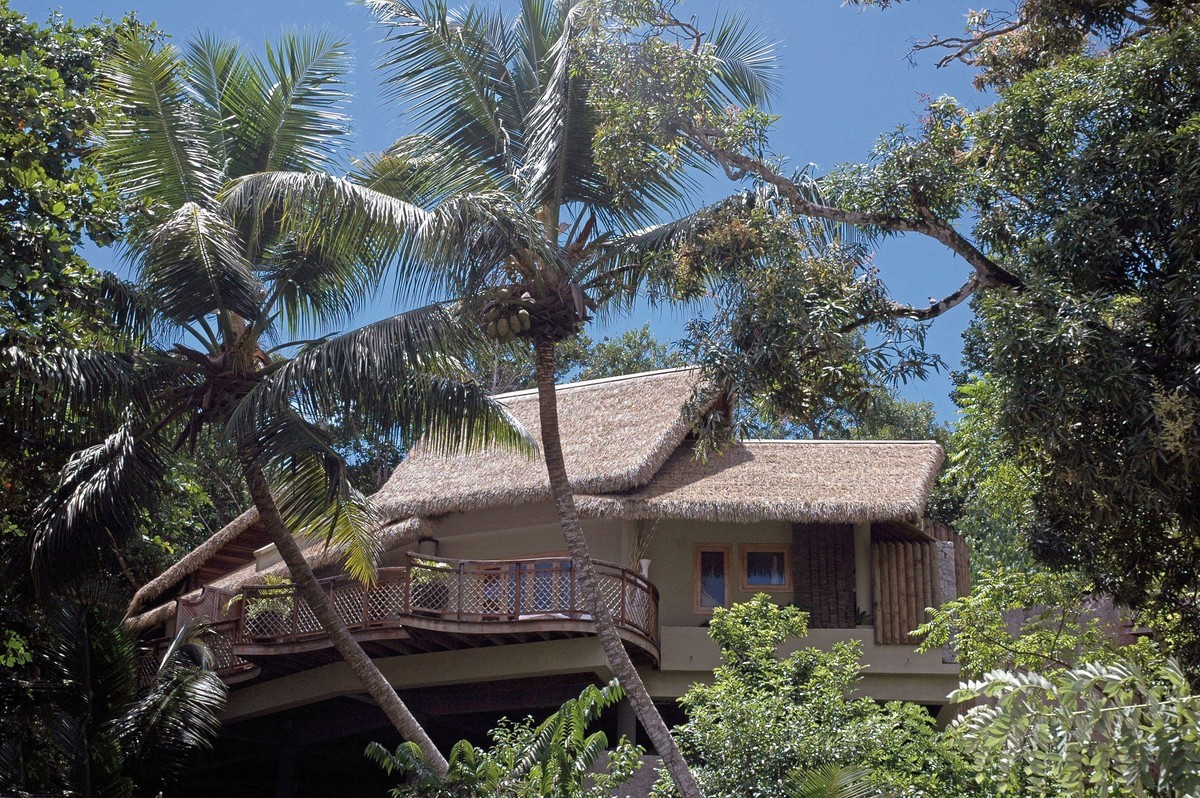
x,y
475,614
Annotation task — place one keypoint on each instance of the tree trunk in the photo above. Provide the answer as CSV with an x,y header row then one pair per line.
x,y
308,588
585,575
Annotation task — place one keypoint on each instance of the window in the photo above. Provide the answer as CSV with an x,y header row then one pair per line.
x,y
712,583
766,568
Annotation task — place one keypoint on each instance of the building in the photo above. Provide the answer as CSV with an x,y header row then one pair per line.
x,y
474,614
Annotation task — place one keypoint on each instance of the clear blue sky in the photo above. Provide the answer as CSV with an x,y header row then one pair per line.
x,y
845,76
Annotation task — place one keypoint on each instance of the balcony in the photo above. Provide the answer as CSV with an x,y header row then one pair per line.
x,y
430,604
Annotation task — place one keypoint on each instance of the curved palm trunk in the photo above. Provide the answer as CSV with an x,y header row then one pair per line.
x,y
585,575
360,664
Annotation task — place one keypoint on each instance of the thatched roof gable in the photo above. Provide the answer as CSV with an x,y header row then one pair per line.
x,y
616,434
797,481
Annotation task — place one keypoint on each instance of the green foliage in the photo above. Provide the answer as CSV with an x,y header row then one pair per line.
x,y
910,172
556,758
73,720
1091,168
1044,621
789,300
986,492
1114,729
52,198
765,720
636,55
16,650
1008,43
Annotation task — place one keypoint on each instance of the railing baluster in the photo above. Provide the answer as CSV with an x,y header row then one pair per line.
x,y
623,587
571,571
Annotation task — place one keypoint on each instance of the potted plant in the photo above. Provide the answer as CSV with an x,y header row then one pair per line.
x,y
268,611
429,582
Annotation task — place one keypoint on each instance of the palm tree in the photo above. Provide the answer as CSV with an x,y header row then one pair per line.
x,y
231,294
73,720
523,222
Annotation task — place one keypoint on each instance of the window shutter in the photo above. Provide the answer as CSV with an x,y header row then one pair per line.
x,y
823,573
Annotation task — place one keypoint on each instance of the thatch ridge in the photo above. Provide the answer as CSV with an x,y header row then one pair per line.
x,y
191,562
315,551
617,432
794,481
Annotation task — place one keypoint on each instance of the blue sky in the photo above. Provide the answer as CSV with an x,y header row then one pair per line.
x,y
845,74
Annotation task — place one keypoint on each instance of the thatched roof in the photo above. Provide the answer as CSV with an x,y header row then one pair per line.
x,y
315,551
191,562
796,481
616,434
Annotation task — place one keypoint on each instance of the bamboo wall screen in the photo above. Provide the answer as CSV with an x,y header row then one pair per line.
x,y
823,574
905,579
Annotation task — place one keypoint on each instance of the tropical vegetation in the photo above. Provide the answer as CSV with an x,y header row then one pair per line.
x,y
549,148
501,199
219,288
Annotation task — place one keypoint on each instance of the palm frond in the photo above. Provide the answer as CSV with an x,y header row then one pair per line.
x,y
746,61
317,502
101,492
128,309
387,375
424,170
229,88
359,229
194,266
156,150
829,781
556,126
46,386
178,717
301,122
444,69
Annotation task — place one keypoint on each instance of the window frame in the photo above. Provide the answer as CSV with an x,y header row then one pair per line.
x,y
747,549
698,550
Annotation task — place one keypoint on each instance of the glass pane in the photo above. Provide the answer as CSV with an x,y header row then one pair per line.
x,y
712,578
765,568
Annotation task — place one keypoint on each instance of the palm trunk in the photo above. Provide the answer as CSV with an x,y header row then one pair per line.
x,y
585,575
360,664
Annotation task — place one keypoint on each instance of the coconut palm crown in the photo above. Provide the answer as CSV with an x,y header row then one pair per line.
x,y
229,296
506,196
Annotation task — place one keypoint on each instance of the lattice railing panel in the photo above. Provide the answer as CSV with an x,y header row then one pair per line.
x,y
386,600
474,592
349,599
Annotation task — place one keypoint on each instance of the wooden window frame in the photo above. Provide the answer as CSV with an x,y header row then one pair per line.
x,y
697,551
747,549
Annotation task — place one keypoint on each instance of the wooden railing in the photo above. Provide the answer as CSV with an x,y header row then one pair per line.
x,y
460,596
462,591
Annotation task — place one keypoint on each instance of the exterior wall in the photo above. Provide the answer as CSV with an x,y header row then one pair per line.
x,y
671,554
892,672
687,654
525,531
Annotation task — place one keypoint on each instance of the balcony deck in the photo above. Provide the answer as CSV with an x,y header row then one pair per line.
x,y
429,604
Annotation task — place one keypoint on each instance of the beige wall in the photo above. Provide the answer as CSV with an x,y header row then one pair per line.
x,y
532,530
671,556
526,531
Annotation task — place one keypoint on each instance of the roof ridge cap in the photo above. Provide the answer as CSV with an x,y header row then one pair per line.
x,y
597,381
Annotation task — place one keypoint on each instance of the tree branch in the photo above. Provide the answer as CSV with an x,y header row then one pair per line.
x,y
988,273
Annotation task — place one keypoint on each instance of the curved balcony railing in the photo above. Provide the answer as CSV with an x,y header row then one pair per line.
x,y
431,593
459,591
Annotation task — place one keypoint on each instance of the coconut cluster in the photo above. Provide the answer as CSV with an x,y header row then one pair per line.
x,y
506,316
